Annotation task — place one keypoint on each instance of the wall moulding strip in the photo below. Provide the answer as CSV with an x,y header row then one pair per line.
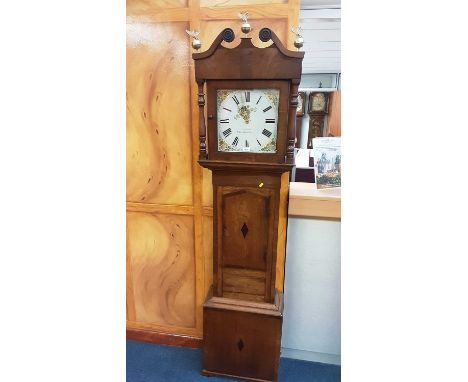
x,y
155,337
160,208
260,11
207,211
164,329
135,14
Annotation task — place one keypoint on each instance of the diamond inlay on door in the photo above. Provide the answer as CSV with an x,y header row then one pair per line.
x,y
245,226
244,230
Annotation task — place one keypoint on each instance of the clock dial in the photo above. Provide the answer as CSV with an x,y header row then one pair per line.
x,y
319,102
247,120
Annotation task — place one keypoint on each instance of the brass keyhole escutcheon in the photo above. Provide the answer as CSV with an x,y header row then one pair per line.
x,y
260,185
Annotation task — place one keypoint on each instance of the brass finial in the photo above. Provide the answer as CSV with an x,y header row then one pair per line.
x,y
299,41
196,43
245,28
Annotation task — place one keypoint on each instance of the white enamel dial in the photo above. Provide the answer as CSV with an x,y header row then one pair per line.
x,y
247,120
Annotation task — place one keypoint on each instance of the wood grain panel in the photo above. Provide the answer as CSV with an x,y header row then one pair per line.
x,y
165,292
258,11
157,15
150,4
161,249
244,281
334,115
197,183
207,188
130,302
282,228
294,7
161,208
208,252
244,226
224,3
135,6
159,167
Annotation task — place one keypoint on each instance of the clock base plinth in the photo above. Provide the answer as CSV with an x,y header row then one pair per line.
x,y
242,339
214,374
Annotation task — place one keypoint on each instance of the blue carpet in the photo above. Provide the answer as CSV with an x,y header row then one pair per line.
x,y
153,363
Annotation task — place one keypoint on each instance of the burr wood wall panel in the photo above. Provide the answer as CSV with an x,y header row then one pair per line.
x,y
334,115
159,168
161,250
224,3
169,196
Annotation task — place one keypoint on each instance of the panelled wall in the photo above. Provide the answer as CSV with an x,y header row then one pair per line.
x,y
169,196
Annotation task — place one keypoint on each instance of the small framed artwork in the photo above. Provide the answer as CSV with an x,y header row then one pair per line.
x,y
327,159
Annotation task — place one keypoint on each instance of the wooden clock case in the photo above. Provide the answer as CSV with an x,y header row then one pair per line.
x,y
316,119
243,310
299,114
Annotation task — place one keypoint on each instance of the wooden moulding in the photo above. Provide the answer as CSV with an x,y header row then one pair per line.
x,y
246,61
274,309
160,338
246,166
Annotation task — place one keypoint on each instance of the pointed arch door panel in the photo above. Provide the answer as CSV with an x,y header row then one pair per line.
x,y
245,215
246,230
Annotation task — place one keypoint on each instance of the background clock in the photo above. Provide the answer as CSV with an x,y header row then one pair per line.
x,y
318,102
301,100
318,108
247,120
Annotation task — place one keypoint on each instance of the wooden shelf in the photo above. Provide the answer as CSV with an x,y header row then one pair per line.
x,y
307,201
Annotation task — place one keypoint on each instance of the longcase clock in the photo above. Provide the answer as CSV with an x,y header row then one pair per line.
x,y
248,144
299,114
318,109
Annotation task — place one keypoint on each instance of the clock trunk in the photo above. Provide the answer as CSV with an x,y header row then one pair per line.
x,y
246,234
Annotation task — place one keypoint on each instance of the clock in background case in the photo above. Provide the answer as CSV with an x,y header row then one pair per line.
x,y
318,109
243,312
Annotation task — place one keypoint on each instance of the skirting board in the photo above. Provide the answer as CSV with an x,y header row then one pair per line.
x,y
334,359
163,338
194,342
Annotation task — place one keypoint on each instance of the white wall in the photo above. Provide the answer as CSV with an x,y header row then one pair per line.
x,y
312,317
322,40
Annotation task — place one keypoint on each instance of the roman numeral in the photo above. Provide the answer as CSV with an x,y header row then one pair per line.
x,y
236,141
227,109
247,96
266,133
224,120
266,109
258,100
246,143
259,142
270,120
227,132
235,99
